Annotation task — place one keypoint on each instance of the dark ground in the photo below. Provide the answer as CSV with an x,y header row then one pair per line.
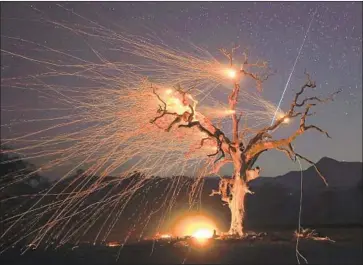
x,y
276,248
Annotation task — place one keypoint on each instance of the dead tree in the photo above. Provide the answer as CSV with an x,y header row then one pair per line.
x,y
243,157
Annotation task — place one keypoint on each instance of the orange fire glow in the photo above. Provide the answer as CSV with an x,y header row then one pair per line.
x,y
203,234
113,244
286,120
174,102
168,91
197,226
165,236
230,111
230,73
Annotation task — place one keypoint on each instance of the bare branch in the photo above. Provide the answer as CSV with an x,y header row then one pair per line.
x,y
292,154
239,117
235,48
316,128
215,192
316,168
175,121
218,135
292,114
202,142
233,98
229,55
288,151
225,185
260,143
252,174
157,95
308,84
220,164
330,98
161,109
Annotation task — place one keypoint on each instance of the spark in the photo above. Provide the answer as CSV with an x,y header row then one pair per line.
x,y
113,244
168,91
231,73
165,236
203,233
230,111
286,120
95,115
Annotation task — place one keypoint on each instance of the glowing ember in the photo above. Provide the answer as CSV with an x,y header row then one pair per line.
x,y
165,236
286,120
198,226
175,104
231,73
203,233
168,91
230,111
113,244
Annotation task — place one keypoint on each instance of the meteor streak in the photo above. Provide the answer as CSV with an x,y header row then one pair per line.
x,y
293,68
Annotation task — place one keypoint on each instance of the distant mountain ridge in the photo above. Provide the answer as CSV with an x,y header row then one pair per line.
x,y
339,175
275,201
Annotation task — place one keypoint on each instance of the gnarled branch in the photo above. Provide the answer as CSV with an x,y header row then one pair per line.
x,y
188,117
261,135
316,168
220,164
259,144
225,186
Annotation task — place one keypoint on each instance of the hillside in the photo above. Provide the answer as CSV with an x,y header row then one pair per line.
x,y
274,204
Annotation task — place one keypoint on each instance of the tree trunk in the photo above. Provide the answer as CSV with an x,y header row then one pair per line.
x,y
236,205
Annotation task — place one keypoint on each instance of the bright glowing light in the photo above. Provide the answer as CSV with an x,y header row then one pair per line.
x,y
113,244
165,236
203,233
197,226
212,147
286,120
168,91
231,73
176,105
230,111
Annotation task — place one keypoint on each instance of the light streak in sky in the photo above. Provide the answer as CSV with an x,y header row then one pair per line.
x,y
298,254
293,67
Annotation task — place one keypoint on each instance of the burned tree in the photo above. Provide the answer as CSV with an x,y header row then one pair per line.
x,y
239,152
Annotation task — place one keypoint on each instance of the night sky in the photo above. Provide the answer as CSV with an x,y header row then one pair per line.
x,y
271,31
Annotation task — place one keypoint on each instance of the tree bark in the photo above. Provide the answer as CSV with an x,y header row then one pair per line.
x,y
238,193
236,206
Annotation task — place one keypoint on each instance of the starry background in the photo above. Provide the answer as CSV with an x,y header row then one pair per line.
x,y
271,31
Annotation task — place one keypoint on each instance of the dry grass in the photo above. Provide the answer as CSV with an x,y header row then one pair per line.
x,y
311,234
